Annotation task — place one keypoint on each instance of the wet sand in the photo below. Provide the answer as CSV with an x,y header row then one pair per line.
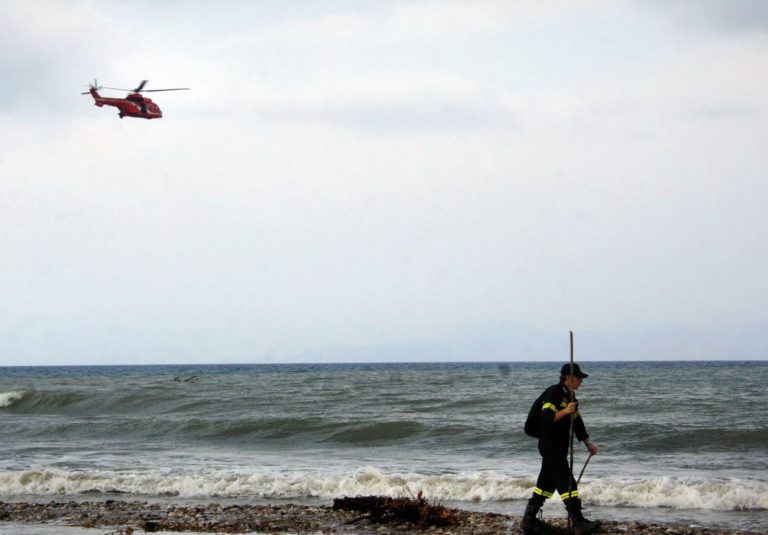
x,y
116,516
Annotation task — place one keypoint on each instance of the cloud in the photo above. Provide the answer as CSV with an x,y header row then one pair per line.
x,y
728,16
321,28
44,43
399,23
411,22
439,19
390,172
388,101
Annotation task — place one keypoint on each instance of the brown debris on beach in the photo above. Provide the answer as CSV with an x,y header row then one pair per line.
x,y
293,519
385,510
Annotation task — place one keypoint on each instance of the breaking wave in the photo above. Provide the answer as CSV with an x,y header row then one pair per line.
x,y
8,399
669,492
34,400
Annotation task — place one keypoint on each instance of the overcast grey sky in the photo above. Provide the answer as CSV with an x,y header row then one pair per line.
x,y
390,180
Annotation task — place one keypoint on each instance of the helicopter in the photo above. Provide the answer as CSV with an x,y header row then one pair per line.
x,y
134,104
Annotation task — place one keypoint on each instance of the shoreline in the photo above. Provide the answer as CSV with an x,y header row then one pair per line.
x,y
110,515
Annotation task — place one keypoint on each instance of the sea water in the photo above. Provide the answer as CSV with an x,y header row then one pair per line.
x,y
679,441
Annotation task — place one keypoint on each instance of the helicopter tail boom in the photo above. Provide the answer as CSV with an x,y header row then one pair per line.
x,y
98,99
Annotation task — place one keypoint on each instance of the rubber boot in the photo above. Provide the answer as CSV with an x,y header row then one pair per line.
x,y
531,524
579,524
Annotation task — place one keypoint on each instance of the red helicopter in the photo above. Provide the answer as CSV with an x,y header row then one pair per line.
x,y
133,105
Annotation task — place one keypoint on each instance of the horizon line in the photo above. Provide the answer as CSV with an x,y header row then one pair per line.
x,y
350,362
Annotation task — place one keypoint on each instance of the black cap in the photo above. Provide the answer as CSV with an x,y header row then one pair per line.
x,y
566,370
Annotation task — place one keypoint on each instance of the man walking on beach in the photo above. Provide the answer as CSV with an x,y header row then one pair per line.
x,y
554,441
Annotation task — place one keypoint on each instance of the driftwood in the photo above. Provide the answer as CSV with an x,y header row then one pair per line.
x,y
383,509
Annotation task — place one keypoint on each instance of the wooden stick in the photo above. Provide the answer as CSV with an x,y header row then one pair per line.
x,y
573,418
582,470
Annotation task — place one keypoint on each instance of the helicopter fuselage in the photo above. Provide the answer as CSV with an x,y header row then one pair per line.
x,y
133,105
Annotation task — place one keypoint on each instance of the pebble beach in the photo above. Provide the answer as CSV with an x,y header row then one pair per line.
x,y
128,517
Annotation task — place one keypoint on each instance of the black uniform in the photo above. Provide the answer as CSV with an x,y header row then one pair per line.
x,y
554,444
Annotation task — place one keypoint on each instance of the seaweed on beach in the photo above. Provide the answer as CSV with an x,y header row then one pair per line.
x,y
383,509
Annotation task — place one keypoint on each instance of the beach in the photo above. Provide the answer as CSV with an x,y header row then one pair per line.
x,y
116,516
675,447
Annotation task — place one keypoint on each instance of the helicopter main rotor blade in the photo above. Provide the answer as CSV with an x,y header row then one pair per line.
x,y
139,89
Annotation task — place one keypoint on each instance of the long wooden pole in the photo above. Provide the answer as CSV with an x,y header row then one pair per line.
x,y
573,418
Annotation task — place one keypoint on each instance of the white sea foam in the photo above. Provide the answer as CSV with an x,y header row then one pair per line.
x,y
711,494
680,493
9,398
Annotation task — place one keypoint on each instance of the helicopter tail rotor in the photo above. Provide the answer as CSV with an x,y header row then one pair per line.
x,y
95,85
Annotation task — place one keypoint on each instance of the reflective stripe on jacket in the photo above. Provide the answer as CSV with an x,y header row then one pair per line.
x,y
555,435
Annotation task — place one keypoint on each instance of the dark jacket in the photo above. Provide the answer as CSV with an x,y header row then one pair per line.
x,y
555,436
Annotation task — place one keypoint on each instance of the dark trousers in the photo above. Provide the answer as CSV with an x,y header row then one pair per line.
x,y
555,475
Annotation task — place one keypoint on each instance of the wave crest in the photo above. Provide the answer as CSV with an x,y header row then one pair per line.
x,y
678,493
8,399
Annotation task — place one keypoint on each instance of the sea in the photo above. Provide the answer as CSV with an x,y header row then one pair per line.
x,y
683,442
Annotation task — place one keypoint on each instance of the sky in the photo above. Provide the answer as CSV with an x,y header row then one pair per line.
x,y
400,180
